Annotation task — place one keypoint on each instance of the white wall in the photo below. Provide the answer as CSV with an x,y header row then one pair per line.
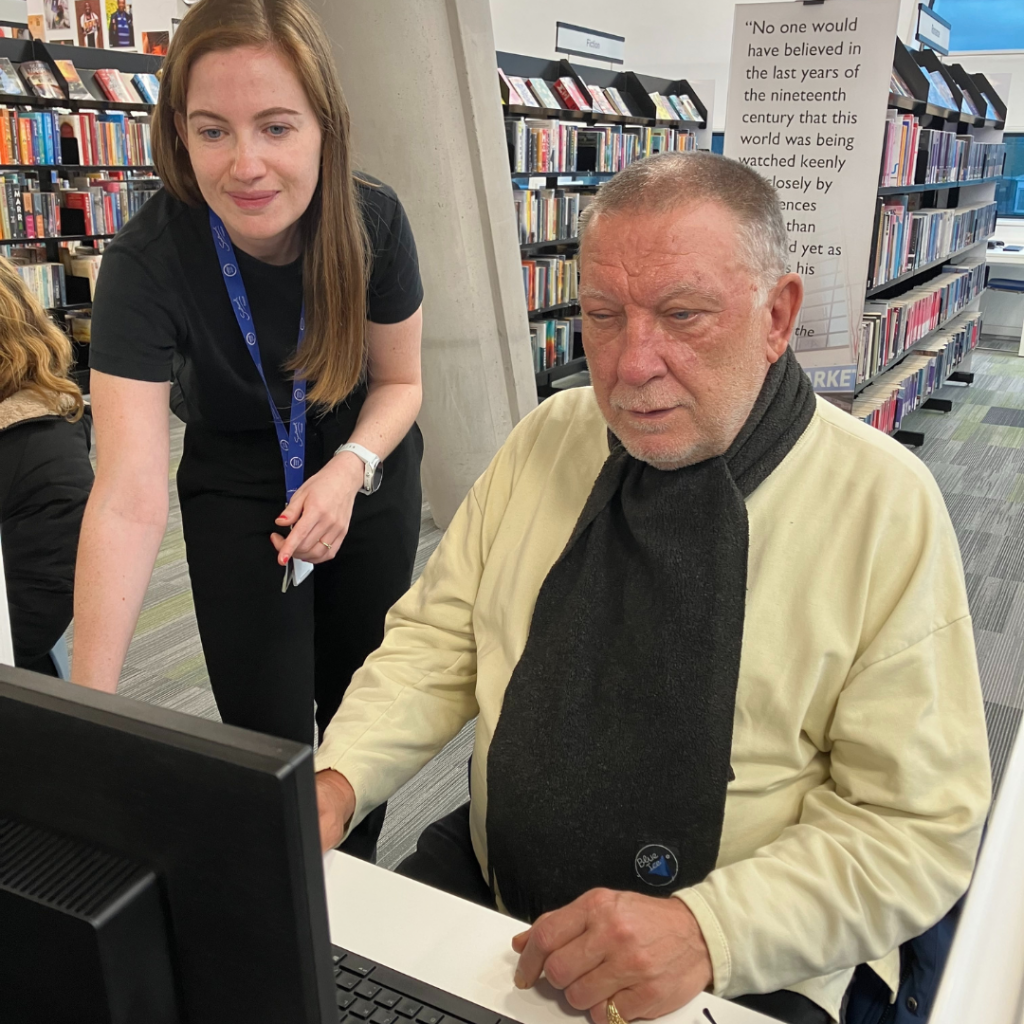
x,y
688,39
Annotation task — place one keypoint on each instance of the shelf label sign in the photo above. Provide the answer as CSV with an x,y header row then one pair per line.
x,y
808,91
588,42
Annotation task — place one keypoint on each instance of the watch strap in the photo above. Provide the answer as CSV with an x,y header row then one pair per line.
x,y
370,464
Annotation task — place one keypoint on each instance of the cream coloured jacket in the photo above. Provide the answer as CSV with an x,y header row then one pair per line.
x,y
859,744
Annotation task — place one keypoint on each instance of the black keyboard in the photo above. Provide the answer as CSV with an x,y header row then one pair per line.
x,y
369,993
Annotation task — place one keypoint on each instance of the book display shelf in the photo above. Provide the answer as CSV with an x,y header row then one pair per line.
x,y
570,128
942,157
72,170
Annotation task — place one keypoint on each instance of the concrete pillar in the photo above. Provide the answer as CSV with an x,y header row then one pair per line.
x,y
421,83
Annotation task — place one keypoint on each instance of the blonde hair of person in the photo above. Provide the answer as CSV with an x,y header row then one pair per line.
x,y
35,355
333,237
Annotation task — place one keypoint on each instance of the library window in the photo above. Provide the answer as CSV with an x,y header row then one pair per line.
x,y
983,24
1010,191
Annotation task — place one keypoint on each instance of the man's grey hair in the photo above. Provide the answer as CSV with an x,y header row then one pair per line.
x,y
672,180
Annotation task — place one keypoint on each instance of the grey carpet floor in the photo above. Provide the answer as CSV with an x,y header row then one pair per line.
x,y
976,453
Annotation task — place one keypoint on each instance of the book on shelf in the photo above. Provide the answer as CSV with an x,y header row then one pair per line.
x,y
550,281
599,101
509,93
908,239
26,212
885,402
111,137
684,108
40,80
29,136
969,106
939,92
44,280
10,83
663,111
548,214
539,146
571,95
147,86
552,342
619,102
76,87
90,204
116,86
522,89
544,95
897,87
889,327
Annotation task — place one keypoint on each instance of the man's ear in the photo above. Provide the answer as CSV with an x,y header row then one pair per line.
x,y
783,307
179,124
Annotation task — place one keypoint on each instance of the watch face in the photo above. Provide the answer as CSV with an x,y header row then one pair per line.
x,y
378,476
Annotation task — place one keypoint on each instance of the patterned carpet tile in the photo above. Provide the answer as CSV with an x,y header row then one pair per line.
x,y
1004,417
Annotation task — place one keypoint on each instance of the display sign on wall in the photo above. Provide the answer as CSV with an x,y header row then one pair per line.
x,y
808,90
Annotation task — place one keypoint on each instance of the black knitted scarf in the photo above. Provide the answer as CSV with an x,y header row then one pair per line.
x,y
610,759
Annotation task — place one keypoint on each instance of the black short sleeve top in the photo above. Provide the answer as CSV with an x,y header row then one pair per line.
x,y
161,310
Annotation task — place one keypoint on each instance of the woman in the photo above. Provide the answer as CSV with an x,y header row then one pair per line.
x,y
45,473
262,242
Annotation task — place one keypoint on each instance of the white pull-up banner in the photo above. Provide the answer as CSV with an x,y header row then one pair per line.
x,y
808,92
6,643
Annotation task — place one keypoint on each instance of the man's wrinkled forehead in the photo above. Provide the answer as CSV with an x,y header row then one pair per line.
x,y
693,248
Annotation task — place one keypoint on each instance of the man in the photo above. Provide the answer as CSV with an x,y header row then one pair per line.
x,y
89,24
121,31
717,638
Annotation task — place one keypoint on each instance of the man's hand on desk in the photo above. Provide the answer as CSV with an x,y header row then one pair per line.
x,y
336,802
646,954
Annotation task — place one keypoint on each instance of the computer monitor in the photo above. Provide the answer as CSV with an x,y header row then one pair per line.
x,y
154,866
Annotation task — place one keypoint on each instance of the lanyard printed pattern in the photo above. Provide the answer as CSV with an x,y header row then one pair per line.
x,y
293,440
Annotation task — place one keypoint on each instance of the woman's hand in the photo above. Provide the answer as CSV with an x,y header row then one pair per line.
x,y
320,511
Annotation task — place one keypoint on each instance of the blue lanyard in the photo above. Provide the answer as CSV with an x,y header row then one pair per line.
x,y
293,441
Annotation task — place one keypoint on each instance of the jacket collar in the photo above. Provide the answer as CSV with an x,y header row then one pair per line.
x,y
30,405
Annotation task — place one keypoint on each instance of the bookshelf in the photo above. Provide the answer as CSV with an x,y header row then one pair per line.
x,y
90,210
558,157
961,142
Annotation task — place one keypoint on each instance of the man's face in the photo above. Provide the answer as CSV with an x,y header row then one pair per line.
x,y
677,343
120,5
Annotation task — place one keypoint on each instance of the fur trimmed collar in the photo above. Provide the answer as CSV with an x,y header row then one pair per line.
x,y
30,405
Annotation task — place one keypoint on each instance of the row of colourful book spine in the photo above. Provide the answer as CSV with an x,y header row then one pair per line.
x,y
552,342
890,327
907,240
26,212
547,147
45,281
113,138
29,137
550,281
546,215
886,402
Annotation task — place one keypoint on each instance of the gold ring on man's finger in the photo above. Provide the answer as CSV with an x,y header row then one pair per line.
x,y
325,544
611,1012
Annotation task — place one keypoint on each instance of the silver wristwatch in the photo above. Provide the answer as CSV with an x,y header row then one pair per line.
x,y
374,468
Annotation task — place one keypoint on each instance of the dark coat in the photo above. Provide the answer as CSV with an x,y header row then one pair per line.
x,y
45,479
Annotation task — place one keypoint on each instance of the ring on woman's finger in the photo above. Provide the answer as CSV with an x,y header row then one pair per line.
x,y
325,544
611,1012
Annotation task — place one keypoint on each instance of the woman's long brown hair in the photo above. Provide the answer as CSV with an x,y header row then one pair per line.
x,y
333,236
34,354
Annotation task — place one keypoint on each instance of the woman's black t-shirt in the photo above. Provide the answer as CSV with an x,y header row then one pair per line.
x,y
161,310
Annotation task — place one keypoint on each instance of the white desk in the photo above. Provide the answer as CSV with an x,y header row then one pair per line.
x,y
457,946
1003,312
